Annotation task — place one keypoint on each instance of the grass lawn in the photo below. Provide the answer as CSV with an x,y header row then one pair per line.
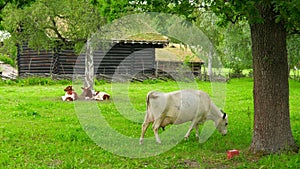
x,y
38,130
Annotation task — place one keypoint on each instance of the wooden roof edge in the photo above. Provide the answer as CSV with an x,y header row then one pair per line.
x,y
142,42
179,61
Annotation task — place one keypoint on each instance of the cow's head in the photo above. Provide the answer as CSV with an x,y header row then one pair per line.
x,y
87,92
222,123
69,90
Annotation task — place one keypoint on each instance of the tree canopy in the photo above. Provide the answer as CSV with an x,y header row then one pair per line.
x,y
47,22
46,32
18,3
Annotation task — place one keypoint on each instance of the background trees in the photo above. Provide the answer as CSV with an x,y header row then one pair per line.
x,y
18,3
45,23
8,49
112,9
232,43
236,48
293,42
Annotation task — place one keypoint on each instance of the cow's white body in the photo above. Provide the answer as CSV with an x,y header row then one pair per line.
x,y
67,96
99,95
179,107
70,94
90,94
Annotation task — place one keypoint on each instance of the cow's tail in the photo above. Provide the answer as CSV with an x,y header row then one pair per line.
x,y
147,118
148,106
150,96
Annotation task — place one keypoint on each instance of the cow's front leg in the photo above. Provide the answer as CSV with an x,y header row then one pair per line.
x,y
188,133
193,125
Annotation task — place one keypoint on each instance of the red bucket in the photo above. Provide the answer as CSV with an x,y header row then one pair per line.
x,y
232,153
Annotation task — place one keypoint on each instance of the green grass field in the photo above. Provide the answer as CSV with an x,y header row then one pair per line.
x,y
38,130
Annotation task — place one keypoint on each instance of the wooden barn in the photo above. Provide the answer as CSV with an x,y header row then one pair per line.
x,y
124,57
127,57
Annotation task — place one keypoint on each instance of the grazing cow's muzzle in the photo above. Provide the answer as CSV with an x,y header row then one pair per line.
x,y
224,132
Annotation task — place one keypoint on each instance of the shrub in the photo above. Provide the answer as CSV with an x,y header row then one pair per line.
x,y
34,81
7,60
237,73
100,82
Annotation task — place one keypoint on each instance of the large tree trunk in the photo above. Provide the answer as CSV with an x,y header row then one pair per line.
x,y
272,130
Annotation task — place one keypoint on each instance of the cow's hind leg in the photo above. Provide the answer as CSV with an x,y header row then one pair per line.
x,y
197,130
193,125
145,125
155,127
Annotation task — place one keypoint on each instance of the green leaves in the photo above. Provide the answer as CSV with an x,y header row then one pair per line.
x,y
46,22
113,9
237,47
293,51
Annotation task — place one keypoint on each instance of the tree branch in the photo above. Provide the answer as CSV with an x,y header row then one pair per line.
x,y
54,28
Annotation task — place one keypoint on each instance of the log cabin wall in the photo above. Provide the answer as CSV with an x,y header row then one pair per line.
x,y
123,58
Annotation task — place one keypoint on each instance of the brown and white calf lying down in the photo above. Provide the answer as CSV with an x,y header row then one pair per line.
x,y
179,107
94,95
70,94
87,94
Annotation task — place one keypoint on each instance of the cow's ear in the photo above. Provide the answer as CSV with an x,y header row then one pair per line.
x,y
224,115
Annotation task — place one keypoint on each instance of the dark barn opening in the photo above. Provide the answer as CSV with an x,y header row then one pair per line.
x,y
130,57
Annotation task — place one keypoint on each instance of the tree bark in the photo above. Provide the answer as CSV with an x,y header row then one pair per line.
x,y
272,130
210,60
89,66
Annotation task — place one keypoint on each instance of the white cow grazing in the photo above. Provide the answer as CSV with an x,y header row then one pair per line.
x,y
179,107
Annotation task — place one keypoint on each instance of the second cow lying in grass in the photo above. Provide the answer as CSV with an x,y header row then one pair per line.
x,y
89,94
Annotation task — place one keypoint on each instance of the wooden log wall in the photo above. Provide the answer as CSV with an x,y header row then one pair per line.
x,y
120,59
175,66
28,62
